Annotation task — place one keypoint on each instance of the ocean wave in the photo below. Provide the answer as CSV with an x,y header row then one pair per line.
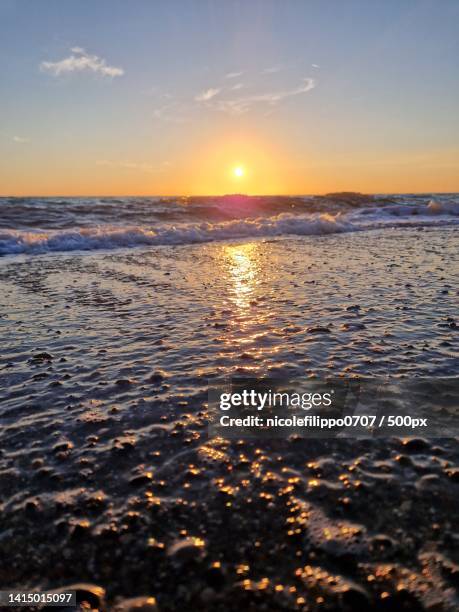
x,y
163,222
435,207
71,213
84,239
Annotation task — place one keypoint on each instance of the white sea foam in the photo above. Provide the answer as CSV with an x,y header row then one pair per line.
x,y
15,241
130,231
435,207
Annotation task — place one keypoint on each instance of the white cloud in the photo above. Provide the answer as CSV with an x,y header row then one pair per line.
x,y
233,75
207,95
315,65
237,86
238,106
129,165
271,70
20,139
81,61
171,113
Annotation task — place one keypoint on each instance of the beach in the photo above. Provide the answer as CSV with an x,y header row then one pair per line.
x,y
229,324
108,474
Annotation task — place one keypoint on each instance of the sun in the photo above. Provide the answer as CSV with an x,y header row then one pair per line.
x,y
238,171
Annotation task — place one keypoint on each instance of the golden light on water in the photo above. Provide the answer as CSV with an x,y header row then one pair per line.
x,y
248,309
244,270
242,265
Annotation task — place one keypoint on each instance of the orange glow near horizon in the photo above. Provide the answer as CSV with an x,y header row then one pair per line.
x,y
223,164
232,165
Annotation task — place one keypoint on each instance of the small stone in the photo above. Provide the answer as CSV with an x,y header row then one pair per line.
x,y
453,474
399,600
382,542
32,506
40,376
415,445
123,382
141,479
404,460
42,357
355,598
89,594
429,482
80,530
64,445
318,329
156,377
352,326
215,576
187,550
137,604
123,444
354,308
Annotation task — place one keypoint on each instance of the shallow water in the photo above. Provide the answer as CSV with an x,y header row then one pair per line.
x,y
107,474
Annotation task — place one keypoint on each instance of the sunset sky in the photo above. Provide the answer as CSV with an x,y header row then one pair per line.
x,y
150,97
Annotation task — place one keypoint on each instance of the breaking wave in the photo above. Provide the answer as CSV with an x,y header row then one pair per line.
x,y
34,226
14,241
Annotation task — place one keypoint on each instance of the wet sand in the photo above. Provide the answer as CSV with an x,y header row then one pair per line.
x,y
108,475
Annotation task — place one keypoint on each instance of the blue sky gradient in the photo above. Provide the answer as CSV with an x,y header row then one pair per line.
x,y
330,95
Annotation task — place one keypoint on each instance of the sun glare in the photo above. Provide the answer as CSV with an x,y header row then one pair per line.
x,y
238,171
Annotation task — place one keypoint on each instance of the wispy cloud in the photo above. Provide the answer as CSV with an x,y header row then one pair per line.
x,y
233,75
171,113
271,70
21,139
129,165
315,65
233,98
238,106
208,94
81,61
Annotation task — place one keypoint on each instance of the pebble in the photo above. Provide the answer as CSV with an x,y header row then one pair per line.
x,y
156,377
41,357
187,550
415,445
137,604
318,330
86,595
124,382
355,598
453,474
352,326
140,480
64,445
215,577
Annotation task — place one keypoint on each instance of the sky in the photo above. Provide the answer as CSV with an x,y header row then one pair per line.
x,y
108,97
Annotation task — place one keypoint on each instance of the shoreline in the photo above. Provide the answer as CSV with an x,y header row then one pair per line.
x,y
107,464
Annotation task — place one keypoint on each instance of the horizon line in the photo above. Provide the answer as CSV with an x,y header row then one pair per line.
x,y
221,195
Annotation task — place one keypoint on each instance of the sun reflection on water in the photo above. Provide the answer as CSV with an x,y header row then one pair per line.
x,y
243,264
247,306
